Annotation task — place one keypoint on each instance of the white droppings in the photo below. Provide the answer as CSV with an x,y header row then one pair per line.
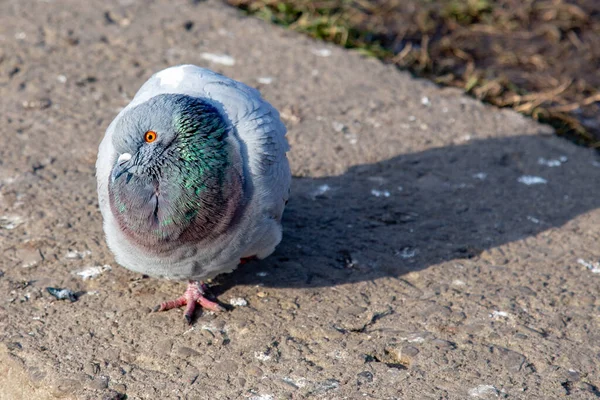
x,y
238,302
338,126
170,77
533,219
465,138
414,337
29,264
412,118
380,193
483,390
259,355
351,138
458,282
321,190
10,180
10,222
61,78
298,382
209,328
262,397
425,101
20,35
262,274
92,272
265,80
480,175
407,252
594,267
338,354
498,314
552,163
532,180
222,59
77,255
321,52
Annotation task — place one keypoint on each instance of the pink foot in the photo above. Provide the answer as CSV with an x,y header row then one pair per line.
x,y
193,295
246,260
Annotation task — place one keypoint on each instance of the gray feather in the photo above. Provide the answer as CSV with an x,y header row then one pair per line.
x,y
256,140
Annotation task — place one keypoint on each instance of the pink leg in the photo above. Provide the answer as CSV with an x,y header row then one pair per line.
x,y
193,295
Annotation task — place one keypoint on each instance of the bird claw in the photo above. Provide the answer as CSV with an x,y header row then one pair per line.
x,y
194,295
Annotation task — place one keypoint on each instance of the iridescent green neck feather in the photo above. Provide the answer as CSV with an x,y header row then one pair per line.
x,y
186,187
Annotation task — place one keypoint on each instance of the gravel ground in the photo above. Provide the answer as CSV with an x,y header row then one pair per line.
x,y
434,247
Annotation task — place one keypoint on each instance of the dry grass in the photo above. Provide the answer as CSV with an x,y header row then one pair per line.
x,y
539,57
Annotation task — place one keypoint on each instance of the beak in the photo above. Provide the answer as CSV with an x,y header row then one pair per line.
x,y
123,166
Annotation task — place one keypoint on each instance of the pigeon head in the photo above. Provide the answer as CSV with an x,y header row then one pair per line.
x,y
173,176
148,136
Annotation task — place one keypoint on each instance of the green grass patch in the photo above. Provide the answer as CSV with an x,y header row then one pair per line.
x,y
533,56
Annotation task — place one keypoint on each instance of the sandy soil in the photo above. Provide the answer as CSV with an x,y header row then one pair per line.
x,y
434,248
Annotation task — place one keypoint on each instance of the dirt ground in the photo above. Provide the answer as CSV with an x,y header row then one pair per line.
x,y
538,57
434,247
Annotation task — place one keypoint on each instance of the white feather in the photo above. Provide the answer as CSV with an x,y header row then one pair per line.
x,y
170,77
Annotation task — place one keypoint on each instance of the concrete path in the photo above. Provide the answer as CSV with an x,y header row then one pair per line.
x,y
434,247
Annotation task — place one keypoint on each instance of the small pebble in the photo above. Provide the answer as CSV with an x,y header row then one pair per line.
x,y
265,80
238,302
38,104
321,52
364,378
62,294
222,59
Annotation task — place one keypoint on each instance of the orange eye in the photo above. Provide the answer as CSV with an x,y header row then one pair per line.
x,y
150,136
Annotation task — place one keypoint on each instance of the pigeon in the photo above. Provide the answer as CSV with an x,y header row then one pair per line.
x,y
192,180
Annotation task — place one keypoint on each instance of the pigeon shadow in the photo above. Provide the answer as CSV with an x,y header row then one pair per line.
x,y
416,210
